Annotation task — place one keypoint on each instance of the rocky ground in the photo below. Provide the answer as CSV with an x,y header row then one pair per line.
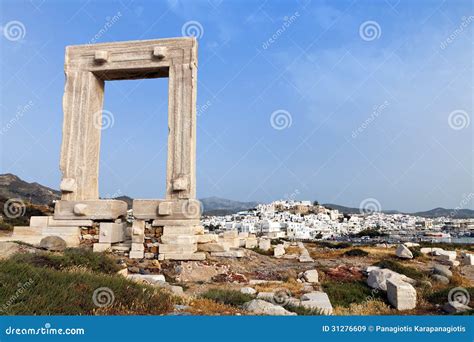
x,y
308,279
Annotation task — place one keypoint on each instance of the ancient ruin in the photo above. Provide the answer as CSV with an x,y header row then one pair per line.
x,y
81,214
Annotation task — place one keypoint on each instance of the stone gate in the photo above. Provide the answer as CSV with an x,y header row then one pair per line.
x,y
174,219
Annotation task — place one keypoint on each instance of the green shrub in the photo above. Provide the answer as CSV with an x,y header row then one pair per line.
x,y
449,246
342,293
442,296
96,262
302,311
6,226
356,252
228,297
278,241
370,232
416,252
29,290
262,252
334,245
399,268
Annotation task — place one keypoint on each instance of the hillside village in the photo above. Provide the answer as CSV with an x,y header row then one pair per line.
x,y
303,220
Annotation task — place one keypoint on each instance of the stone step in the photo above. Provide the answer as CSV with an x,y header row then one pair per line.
x,y
177,248
182,256
121,248
26,231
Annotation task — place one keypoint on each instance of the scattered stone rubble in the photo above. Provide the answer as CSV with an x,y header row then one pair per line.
x,y
404,252
401,294
263,307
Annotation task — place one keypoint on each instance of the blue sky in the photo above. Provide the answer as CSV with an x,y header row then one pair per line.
x,y
333,101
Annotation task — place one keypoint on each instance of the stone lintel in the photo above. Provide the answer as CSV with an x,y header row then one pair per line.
x,y
89,210
132,59
167,210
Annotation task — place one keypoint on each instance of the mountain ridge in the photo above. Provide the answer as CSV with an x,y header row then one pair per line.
x,y
12,186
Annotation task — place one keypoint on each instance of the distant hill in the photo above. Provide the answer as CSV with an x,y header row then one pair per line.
x,y
222,206
454,213
437,212
12,186
341,208
127,199
349,210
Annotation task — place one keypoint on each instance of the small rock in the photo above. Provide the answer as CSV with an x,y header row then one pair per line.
x,y
262,307
248,290
264,244
368,269
401,294
133,269
455,307
311,276
268,296
446,255
378,278
440,279
317,300
467,259
442,270
403,252
452,263
53,243
176,290
279,251
7,249
149,278
430,250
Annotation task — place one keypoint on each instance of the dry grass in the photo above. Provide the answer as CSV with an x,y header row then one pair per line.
x,y
202,306
326,253
458,280
292,250
291,285
367,308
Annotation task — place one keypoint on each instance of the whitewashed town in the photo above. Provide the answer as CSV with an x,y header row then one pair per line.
x,y
305,220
